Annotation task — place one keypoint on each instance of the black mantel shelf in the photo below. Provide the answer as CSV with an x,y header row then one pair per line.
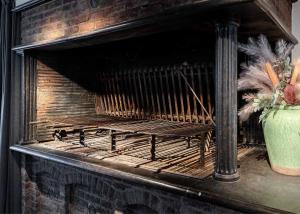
x,y
254,10
260,190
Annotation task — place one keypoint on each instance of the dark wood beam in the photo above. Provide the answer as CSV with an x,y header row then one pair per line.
x,y
273,17
28,5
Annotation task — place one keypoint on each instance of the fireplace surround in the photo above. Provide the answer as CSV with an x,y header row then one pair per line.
x,y
133,62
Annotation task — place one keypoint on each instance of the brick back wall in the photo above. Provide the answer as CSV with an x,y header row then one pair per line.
x,y
58,19
64,88
49,187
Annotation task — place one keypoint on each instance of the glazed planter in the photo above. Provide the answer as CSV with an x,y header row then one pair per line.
x,y
282,137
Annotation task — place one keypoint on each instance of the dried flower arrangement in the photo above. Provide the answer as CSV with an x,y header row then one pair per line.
x,y
270,77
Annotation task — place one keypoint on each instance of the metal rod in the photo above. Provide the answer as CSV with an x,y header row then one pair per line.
x,y
141,93
147,107
123,91
174,94
181,96
153,111
189,112
192,90
133,111
169,94
208,91
136,94
201,92
163,92
157,94
194,99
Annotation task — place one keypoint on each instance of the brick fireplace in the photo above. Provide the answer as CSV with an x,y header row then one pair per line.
x,y
89,71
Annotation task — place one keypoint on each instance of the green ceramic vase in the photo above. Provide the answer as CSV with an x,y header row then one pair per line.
x,y
282,137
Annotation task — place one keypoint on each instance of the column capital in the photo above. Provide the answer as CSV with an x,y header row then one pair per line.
x,y
228,22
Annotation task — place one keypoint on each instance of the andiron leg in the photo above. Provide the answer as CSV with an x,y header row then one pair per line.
x,y
112,140
152,140
202,150
188,140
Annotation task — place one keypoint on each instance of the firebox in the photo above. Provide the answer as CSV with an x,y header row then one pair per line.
x,y
146,102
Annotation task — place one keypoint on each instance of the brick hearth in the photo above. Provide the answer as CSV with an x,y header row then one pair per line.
x,y
50,187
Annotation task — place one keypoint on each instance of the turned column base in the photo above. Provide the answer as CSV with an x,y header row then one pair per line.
x,y
227,178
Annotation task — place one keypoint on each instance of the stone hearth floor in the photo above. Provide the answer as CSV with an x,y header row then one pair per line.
x,y
260,185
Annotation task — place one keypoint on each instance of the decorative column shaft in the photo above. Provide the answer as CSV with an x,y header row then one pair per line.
x,y
226,101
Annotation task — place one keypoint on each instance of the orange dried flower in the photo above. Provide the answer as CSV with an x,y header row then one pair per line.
x,y
295,73
271,73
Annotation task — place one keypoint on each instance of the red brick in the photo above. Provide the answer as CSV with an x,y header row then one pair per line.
x,y
77,15
71,30
86,27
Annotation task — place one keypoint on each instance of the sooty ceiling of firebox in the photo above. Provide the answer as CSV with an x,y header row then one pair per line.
x,y
81,65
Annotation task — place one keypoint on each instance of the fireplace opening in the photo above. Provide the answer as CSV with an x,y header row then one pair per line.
x,y
146,102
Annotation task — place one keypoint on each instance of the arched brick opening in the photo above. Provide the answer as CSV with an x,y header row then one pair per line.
x,y
138,209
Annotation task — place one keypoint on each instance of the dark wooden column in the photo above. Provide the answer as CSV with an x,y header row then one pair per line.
x,y
226,101
29,97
